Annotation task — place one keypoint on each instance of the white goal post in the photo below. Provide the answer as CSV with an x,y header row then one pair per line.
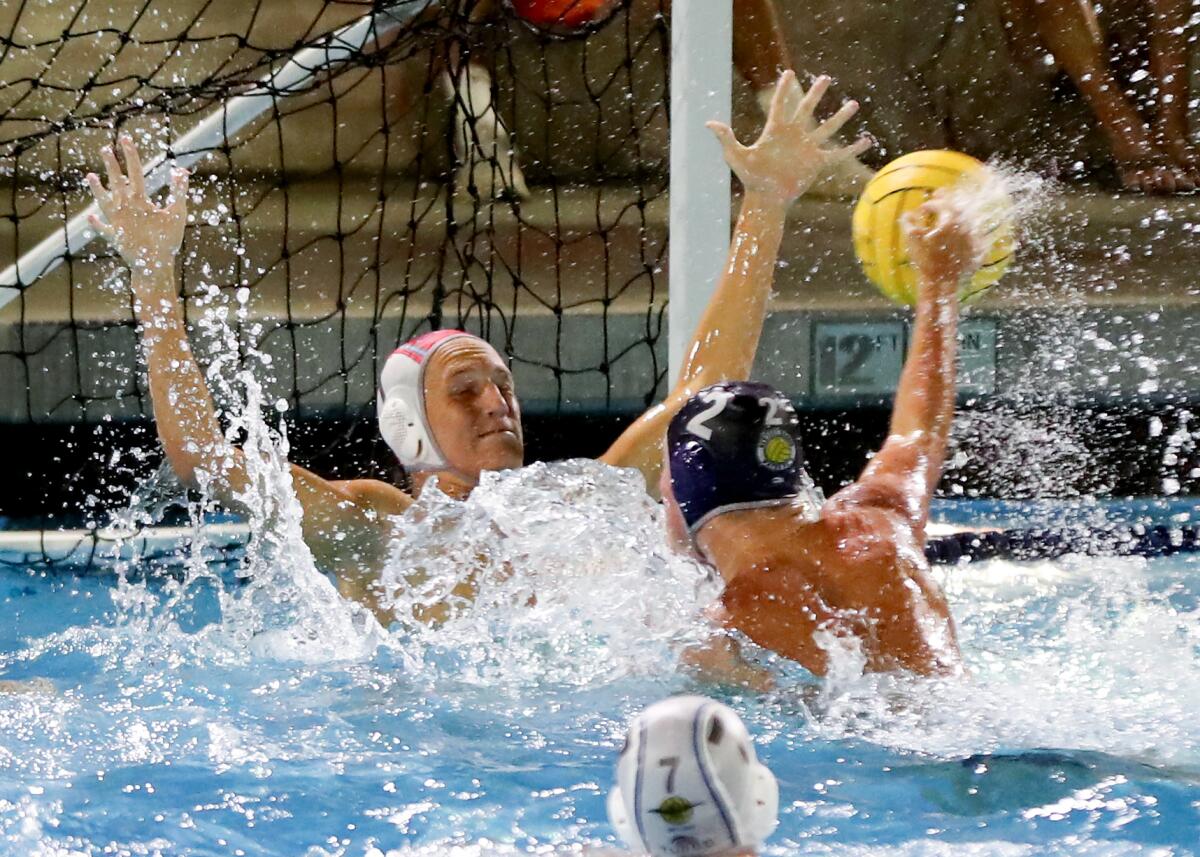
x,y
701,90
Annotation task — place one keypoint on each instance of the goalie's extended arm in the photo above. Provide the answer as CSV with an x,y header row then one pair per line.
x,y
148,238
337,516
784,162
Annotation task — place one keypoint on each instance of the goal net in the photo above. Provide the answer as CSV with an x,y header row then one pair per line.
x,y
362,171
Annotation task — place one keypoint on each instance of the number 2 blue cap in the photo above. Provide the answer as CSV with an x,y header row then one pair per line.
x,y
734,445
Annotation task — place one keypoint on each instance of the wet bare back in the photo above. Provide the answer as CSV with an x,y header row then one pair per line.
x,y
859,572
857,575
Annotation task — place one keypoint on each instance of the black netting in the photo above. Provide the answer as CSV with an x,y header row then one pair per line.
x,y
366,204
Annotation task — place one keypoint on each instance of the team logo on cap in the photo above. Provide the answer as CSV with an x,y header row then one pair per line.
x,y
675,810
776,450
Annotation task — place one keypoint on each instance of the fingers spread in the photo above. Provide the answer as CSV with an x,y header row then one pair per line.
x,y
733,151
859,147
99,193
177,200
835,122
118,185
791,95
778,100
813,97
102,228
133,162
724,134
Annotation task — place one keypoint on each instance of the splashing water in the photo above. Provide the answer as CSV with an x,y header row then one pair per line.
x,y
1087,653
268,711
1002,194
502,724
288,608
281,606
575,583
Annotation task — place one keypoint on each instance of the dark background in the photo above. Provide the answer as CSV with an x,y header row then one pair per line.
x,y
64,475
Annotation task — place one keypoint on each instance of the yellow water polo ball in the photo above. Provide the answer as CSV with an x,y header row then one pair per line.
x,y
905,184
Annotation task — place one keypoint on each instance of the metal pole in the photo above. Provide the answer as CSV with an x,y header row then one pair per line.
x,y
701,88
235,114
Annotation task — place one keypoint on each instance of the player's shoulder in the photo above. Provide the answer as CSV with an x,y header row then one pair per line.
x,y
870,502
774,541
863,519
382,497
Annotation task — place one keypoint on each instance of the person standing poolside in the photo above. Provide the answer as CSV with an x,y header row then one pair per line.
x,y
689,783
801,572
461,402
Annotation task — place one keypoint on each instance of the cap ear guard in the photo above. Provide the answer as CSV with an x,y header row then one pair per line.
x,y
619,819
404,431
748,786
400,403
762,812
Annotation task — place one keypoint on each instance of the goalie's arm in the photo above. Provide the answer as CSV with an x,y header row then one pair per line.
x,y
787,158
726,338
148,237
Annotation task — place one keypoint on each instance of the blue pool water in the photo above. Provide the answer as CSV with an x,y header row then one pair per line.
x,y
250,712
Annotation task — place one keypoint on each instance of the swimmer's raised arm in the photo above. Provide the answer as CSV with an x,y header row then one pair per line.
x,y
148,238
905,472
337,516
780,166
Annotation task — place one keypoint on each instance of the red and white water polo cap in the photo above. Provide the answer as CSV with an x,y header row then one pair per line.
x,y
689,783
401,401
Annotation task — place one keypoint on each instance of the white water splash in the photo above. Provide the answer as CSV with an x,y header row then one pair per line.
x,y
286,609
575,582
1079,654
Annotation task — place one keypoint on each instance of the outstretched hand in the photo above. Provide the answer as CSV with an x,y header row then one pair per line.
x,y
145,234
793,150
941,245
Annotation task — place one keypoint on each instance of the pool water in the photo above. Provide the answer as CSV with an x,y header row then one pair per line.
x,y
250,711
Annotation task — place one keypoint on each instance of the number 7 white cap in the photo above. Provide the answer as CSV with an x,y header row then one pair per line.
x,y
689,783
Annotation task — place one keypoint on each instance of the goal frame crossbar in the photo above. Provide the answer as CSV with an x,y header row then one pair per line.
x,y
700,185
222,125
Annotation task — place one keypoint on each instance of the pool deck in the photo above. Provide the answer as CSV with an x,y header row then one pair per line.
x,y
1102,305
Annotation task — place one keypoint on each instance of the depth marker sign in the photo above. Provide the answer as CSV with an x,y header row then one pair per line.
x,y
863,359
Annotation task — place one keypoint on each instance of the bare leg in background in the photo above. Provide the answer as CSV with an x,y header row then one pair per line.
x,y
1151,161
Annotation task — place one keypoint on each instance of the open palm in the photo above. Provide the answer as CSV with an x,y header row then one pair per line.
x,y
793,150
145,234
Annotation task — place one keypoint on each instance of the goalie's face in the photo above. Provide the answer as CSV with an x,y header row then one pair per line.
x,y
472,408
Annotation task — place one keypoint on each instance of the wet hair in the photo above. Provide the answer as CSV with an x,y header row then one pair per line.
x,y
734,445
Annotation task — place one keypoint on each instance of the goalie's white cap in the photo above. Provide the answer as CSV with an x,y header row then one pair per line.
x,y
401,401
689,783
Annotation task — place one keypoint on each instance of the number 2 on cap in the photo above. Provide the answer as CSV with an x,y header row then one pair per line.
x,y
718,400
772,405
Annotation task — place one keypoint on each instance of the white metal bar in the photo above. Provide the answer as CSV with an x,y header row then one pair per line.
x,y
226,121
35,540
701,89
81,547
